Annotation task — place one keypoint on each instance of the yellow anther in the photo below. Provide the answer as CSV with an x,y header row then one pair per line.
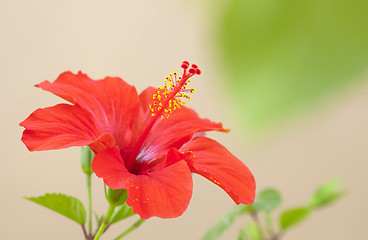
x,y
169,97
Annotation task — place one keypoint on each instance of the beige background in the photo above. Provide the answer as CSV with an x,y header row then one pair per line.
x,y
142,41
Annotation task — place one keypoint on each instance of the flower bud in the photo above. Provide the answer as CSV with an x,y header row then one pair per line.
x,y
86,160
116,197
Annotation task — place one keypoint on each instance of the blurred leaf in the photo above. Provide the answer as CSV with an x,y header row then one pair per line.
x,y
121,212
225,222
293,216
68,206
282,56
327,194
242,235
267,200
253,230
99,219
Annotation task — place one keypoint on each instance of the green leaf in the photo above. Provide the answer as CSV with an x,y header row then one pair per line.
x,y
267,200
293,216
242,235
253,231
287,55
327,194
68,206
121,212
225,222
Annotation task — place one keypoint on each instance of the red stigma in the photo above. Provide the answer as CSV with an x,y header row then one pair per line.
x,y
185,65
193,70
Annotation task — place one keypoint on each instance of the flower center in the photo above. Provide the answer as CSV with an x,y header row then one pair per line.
x,y
167,99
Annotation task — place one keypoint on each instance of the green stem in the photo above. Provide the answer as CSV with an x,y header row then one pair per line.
x,y
89,203
106,221
134,226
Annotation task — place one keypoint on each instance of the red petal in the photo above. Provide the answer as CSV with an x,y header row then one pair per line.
x,y
164,193
102,142
56,127
175,131
124,101
144,115
112,102
109,165
214,162
146,97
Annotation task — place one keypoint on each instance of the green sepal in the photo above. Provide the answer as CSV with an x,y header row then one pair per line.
x,y
121,212
226,221
68,206
116,197
267,200
293,216
327,194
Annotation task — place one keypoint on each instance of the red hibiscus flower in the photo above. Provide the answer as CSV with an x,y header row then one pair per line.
x,y
148,144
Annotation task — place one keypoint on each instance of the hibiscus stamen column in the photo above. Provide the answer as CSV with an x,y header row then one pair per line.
x,y
168,99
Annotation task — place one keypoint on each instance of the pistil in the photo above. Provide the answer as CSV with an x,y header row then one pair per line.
x,y
166,100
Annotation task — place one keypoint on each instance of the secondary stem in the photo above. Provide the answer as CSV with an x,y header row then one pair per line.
x,y
255,218
89,203
104,223
134,226
84,232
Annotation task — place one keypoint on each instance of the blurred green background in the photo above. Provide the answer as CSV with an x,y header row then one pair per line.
x,y
284,56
